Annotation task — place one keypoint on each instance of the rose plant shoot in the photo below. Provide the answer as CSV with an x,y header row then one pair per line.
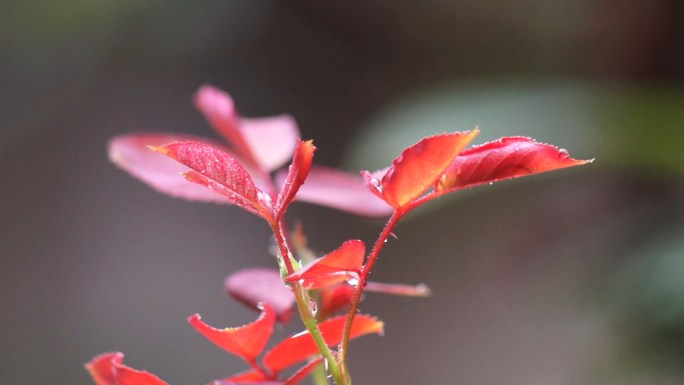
x,y
246,170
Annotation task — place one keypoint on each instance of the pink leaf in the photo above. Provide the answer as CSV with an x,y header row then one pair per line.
x,y
300,346
131,153
252,286
220,172
503,159
245,341
418,166
338,266
218,109
340,190
272,140
301,163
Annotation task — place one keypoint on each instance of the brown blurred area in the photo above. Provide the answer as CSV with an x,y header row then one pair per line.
x,y
567,278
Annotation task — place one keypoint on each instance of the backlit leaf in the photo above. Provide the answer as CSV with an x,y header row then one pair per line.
x,y
250,376
272,140
245,341
252,286
300,346
338,266
505,158
419,165
131,153
297,173
220,172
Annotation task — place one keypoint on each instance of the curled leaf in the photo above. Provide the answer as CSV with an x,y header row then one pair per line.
x,y
297,173
255,285
505,158
300,346
245,341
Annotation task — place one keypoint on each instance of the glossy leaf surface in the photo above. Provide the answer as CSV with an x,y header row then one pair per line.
x,y
505,158
246,341
336,267
297,173
416,169
255,285
300,346
339,190
220,172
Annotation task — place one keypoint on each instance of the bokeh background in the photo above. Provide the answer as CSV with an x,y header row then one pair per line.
x,y
572,277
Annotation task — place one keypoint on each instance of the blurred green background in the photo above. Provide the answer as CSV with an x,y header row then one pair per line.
x,y
572,277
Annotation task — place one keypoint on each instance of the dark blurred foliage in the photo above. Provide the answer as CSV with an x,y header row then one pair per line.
x,y
573,277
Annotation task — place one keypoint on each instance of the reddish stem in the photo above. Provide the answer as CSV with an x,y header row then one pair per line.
x,y
358,291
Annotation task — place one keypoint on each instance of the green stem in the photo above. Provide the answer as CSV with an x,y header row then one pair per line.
x,y
358,291
319,376
305,313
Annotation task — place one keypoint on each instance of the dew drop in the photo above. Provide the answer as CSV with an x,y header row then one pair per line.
x,y
376,183
264,199
563,153
353,281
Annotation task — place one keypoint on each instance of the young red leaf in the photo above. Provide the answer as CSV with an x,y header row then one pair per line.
x,y
339,266
252,286
220,172
131,154
334,299
250,376
299,169
503,159
245,341
108,369
300,346
128,376
102,370
302,372
340,190
418,166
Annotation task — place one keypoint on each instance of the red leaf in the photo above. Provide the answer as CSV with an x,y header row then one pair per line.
x,y
250,376
252,286
218,109
220,172
503,159
102,370
338,266
300,346
302,372
416,169
128,376
131,153
334,299
245,341
107,369
340,190
299,169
